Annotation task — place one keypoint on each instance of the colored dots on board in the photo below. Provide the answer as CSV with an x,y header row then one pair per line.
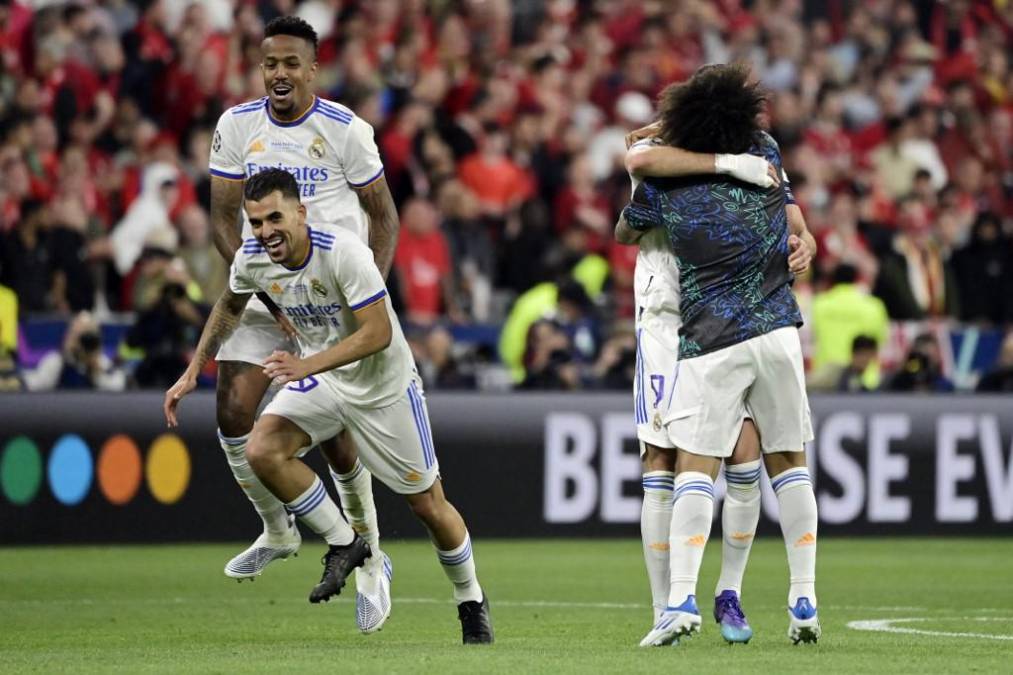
x,y
168,469
70,469
20,470
119,469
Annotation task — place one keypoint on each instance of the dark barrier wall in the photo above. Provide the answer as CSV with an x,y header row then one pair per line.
x,y
98,467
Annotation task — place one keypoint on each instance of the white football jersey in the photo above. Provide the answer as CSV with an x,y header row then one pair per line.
x,y
656,278
319,298
328,149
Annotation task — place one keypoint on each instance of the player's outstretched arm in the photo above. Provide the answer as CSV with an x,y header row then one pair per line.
x,y
644,161
373,335
384,224
219,326
801,241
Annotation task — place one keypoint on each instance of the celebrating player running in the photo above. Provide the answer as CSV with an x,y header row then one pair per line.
x,y
355,374
331,153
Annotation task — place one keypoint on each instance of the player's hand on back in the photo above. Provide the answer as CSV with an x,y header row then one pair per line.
x,y
748,168
649,131
184,385
283,367
799,257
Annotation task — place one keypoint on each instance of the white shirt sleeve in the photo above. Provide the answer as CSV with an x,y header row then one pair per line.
x,y
357,276
361,159
240,280
226,159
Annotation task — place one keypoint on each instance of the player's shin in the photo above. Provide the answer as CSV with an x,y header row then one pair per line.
x,y
317,511
459,566
691,525
655,525
797,507
270,508
355,489
739,517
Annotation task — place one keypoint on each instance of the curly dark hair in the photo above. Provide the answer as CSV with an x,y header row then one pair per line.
x,y
716,110
294,26
261,184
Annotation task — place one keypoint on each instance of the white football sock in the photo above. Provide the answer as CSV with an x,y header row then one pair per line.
x,y
315,508
355,489
739,516
691,526
459,566
655,525
270,508
797,512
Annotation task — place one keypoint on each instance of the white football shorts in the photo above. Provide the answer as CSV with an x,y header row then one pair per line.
x,y
762,378
255,338
394,442
656,370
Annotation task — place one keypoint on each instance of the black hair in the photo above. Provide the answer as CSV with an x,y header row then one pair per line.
x,y
716,110
261,184
845,274
542,63
894,123
293,26
862,343
31,207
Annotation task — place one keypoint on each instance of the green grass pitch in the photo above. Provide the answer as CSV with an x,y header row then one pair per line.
x,y
577,606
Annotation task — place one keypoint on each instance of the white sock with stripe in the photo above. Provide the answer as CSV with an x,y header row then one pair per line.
x,y
692,513
355,489
459,566
797,513
269,507
655,526
739,516
316,509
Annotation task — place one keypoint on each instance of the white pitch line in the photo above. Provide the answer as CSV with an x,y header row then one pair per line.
x,y
886,626
396,599
531,603
860,608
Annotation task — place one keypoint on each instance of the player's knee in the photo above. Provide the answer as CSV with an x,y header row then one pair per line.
x,y
658,459
425,506
261,454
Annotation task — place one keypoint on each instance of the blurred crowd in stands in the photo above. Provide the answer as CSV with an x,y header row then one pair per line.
x,y
501,125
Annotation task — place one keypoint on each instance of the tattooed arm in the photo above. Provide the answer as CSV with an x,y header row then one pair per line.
x,y
226,200
223,320
378,204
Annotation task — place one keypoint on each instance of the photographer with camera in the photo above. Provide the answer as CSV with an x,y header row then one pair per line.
x,y
81,364
168,330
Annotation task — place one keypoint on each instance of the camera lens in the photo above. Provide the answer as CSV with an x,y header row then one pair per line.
x,y
90,342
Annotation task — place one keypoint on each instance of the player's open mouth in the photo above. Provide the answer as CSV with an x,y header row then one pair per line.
x,y
281,91
274,244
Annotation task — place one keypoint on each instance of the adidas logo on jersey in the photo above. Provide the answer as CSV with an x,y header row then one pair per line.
x,y
256,146
276,288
